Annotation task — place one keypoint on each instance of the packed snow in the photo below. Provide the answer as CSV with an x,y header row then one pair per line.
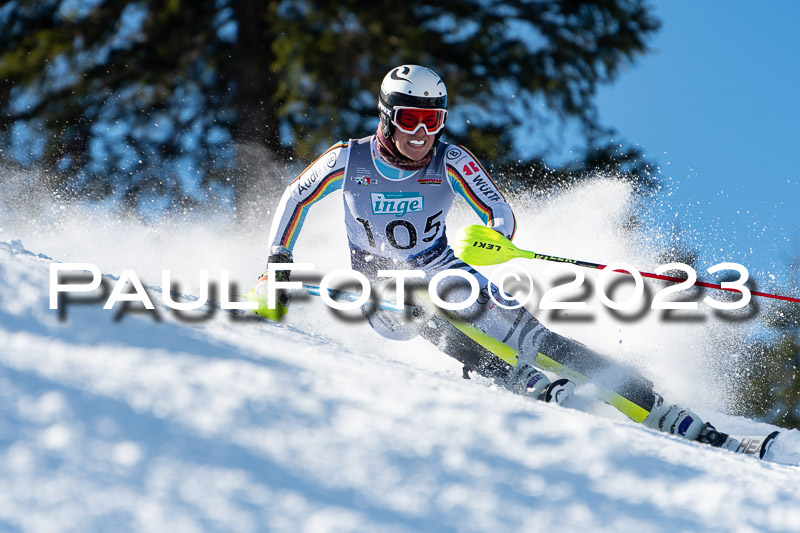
x,y
136,420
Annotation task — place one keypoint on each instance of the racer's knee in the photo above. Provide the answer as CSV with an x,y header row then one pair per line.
x,y
392,325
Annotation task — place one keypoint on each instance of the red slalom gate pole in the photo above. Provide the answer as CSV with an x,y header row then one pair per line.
x,y
662,277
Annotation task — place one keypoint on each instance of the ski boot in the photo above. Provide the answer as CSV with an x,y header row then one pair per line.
x,y
676,420
530,382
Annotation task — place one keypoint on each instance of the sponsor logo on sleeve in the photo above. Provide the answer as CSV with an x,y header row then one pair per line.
x,y
479,182
487,190
471,168
308,182
454,153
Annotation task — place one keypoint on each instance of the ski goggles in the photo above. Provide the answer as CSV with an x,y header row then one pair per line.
x,y
410,119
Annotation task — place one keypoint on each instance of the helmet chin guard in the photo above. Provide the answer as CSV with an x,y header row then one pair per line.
x,y
409,86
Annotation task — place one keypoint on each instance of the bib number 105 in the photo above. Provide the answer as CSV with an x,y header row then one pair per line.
x,y
432,227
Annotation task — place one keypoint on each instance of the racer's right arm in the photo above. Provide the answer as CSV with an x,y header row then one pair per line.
x,y
319,179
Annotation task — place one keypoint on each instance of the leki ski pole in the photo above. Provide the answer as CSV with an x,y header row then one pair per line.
x,y
481,246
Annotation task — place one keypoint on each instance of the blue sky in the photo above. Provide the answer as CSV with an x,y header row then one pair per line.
x,y
716,103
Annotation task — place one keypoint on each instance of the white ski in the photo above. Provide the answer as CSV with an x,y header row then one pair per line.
x,y
752,445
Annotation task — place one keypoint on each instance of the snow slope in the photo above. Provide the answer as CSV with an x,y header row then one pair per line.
x,y
150,422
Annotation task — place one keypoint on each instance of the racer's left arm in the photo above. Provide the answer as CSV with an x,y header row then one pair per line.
x,y
470,180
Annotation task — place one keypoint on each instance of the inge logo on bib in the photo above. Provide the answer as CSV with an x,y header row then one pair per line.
x,y
396,203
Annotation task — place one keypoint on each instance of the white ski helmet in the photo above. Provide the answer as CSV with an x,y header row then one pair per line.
x,y
410,86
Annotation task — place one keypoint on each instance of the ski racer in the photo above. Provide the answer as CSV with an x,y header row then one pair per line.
x,y
398,186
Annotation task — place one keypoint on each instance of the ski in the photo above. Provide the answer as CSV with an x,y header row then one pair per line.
x,y
752,445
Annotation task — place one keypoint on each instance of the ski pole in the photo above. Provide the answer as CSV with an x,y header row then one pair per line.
x,y
335,294
482,246
348,296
